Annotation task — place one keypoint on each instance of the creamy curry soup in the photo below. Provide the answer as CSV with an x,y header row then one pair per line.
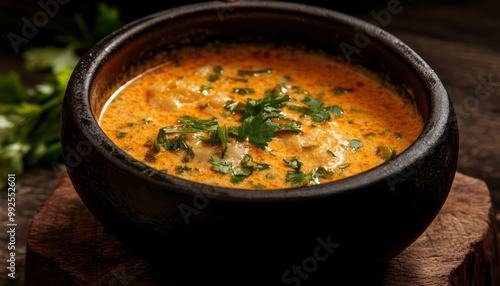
x,y
258,117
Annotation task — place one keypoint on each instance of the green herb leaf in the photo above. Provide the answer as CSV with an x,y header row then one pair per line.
x,y
107,20
53,58
192,125
219,165
205,87
254,72
370,134
293,126
295,163
213,78
355,144
268,107
385,153
241,90
312,102
240,174
341,90
258,131
299,179
335,110
181,169
11,90
343,166
318,115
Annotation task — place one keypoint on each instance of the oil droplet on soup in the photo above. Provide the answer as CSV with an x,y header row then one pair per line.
x,y
258,117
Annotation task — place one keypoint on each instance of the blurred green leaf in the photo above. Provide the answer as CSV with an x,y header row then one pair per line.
x,y
53,58
11,90
30,117
106,20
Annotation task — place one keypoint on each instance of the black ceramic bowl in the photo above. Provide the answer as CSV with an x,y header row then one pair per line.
x,y
370,217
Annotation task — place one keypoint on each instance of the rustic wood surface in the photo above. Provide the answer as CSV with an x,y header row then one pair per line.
x,y
67,246
459,39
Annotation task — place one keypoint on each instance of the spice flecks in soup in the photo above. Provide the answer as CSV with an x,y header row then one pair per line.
x,y
258,117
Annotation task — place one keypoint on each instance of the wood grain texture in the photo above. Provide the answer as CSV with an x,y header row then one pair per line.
x,y
67,246
459,248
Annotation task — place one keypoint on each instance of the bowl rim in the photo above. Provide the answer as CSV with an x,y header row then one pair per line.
x,y
79,88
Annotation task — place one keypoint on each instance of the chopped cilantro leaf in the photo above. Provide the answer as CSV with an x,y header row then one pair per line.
x,y
293,126
294,163
258,131
231,105
240,174
181,169
205,87
217,69
247,162
121,135
267,106
241,90
312,102
213,77
341,90
156,145
343,166
219,165
335,110
369,134
298,178
318,115
254,72
238,79
385,153
355,144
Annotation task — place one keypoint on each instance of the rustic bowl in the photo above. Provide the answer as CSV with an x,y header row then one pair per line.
x,y
283,236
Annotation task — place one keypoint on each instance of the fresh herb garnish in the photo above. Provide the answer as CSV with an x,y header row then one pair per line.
x,y
238,79
315,109
181,169
175,144
335,110
205,88
299,179
242,90
121,135
294,163
343,166
220,165
355,144
254,72
238,174
257,130
341,90
366,135
217,70
385,153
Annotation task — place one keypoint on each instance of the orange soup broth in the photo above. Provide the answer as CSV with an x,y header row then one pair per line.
x,y
373,118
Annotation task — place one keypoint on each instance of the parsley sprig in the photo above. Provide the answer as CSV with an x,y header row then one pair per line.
x,y
238,174
315,109
298,178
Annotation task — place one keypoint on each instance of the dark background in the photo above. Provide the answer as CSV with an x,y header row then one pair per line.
x,y
460,40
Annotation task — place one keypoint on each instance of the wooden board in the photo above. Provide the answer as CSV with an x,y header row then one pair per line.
x,y
67,246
